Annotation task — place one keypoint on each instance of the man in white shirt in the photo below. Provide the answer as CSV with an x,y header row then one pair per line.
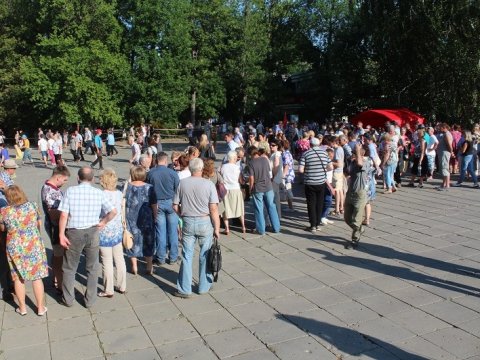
x,y
232,145
43,148
84,211
88,139
238,137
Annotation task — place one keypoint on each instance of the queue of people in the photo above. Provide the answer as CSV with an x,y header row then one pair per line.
x,y
187,199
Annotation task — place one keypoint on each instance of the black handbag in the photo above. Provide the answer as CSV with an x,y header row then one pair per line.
x,y
214,259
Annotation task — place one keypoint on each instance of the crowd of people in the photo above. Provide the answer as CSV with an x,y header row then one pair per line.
x,y
185,197
51,146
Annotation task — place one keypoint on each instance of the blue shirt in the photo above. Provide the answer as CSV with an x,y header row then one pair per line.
x,y
6,178
3,202
84,205
110,139
98,141
4,154
373,151
426,137
165,182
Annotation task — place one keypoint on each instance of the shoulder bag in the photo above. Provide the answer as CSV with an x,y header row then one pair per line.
x,y
127,235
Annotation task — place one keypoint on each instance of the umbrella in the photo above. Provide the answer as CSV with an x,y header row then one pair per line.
x,y
378,117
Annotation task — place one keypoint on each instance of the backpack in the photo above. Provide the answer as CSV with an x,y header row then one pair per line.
x,y
214,259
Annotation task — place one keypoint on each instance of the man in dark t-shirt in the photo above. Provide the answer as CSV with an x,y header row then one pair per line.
x,y
262,190
51,197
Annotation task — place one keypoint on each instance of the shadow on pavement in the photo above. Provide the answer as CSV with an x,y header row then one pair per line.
x,y
391,253
347,340
397,271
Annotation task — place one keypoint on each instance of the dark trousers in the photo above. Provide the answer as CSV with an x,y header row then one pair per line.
x,y
111,149
327,202
5,279
315,195
75,155
86,240
89,145
98,160
396,176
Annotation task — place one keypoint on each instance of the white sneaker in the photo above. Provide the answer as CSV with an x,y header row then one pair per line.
x,y
325,221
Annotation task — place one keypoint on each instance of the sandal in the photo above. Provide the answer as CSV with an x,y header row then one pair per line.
x,y
105,295
225,232
41,313
120,291
17,310
366,222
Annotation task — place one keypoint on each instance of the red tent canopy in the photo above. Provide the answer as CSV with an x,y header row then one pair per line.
x,y
378,117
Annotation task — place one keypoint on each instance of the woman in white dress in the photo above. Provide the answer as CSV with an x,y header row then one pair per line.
x,y
233,202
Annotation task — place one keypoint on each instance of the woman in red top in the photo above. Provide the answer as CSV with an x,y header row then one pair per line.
x,y
302,145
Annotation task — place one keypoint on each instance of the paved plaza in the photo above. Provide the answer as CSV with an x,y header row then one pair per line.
x,y
410,291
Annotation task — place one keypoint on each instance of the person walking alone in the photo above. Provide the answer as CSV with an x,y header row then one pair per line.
x,y
98,144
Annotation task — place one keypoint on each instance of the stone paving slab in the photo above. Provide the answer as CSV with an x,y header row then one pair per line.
x,y
233,342
410,291
71,328
83,347
186,349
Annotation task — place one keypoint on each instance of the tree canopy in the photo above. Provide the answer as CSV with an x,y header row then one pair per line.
x,y
119,62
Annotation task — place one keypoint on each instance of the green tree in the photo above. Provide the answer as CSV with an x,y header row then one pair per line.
x,y
17,37
427,55
76,73
158,46
212,29
246,73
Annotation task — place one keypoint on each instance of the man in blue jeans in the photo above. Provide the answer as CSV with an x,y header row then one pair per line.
x,y
262,191
165,183
196,201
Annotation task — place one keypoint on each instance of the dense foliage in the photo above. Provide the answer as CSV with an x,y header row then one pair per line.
x,y
118,62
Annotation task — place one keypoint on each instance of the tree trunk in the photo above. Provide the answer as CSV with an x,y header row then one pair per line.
x,y
193,108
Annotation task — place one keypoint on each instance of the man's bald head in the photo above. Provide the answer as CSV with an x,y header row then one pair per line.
x,y
85,173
